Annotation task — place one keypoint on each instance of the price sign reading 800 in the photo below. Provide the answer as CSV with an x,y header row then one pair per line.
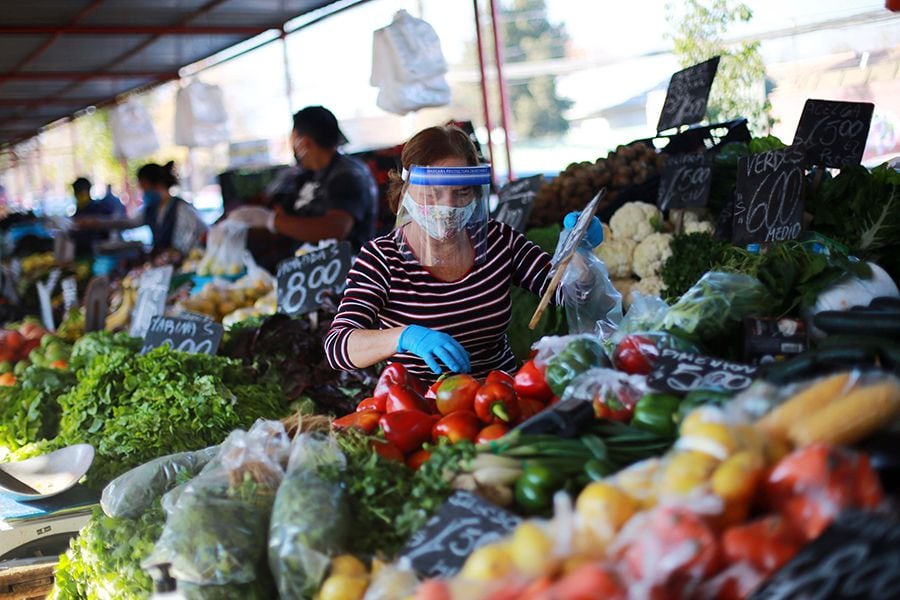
x,y
303,279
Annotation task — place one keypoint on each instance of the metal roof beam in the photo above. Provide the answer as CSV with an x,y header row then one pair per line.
x,y
132,30
82,76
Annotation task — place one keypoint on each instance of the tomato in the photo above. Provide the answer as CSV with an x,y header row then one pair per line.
x,y
767,544
417,459
372,403
635,354
403,397
459,425
492,432
387,450
500,377
593,580
457,393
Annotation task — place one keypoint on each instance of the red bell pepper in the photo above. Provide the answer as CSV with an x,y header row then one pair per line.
x,y
611,408
417,384
367,420
417,459
496,403
387,450
407,429
500,377
393,374
431,394
372,403
403,397
530,382
460,425
456,393
491,433
528,407
767,543
635,354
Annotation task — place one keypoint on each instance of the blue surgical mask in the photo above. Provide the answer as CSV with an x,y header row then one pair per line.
x,y
151,197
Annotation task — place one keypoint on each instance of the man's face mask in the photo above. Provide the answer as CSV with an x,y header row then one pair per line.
x,y
439,222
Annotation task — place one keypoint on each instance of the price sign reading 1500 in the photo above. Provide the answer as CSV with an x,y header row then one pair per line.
x,y
303,279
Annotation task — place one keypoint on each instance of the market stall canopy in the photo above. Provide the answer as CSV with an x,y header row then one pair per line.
x,y
60,56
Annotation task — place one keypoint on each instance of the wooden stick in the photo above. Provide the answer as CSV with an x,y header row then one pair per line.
x,y
551,289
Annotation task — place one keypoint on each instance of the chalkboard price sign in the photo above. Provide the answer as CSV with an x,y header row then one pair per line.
x,y
834,133
464,523
185,335
303,279
857,558
517,200
680,372
151,299
687,95
768,204
96,304
686,181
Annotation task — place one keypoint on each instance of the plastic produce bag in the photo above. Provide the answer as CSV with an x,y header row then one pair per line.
x,y
591,301
226,246
607,389
217,523
132,493
713,304
200,117
563,358
309,519
132,130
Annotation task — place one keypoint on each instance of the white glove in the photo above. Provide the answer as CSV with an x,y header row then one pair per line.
x,y
254,217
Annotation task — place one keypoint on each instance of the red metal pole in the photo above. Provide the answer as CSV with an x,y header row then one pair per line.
x,y
484,93
504,100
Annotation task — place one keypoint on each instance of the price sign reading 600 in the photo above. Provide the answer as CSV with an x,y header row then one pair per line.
x,y
303,279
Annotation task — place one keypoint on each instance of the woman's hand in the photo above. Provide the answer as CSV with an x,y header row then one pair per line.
x,y
431,345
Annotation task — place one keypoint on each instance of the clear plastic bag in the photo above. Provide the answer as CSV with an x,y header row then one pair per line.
x,y
592,303
226,245
132,493
217,523
393,581
309,519
607,387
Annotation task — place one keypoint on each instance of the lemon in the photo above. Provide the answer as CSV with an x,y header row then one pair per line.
x,y
347,564
343,587
738,476
639,481
686,471
530,549
605,505
488,563
716,439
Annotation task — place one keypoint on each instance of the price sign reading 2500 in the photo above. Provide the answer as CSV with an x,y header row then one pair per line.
x,y
303,279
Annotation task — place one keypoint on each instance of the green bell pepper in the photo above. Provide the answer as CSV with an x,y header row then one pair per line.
x,y
578,356
535,488
656,413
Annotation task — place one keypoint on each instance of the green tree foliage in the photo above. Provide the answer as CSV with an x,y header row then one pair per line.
x,y
698,29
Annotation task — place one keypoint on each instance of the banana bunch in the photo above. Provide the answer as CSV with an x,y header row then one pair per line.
x,y
34,263
121,316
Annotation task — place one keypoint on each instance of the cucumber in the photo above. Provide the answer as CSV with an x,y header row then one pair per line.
x,y
876,323
819,362
885,303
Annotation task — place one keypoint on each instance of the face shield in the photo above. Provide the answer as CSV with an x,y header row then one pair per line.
x,y
443,214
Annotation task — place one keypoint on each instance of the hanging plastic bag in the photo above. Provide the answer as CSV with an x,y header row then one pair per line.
x,y
217,524
131,494
200,117
132,130
309,519
225,248
189,228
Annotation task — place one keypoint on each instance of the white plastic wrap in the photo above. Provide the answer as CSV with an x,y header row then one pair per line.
x,y
200,117
132,130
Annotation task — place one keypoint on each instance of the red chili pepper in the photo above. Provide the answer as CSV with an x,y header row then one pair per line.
x,y
491,432
460,425
387,450
496,403
417,459
635,354
372,403
611,408
403,397
528,407
367,420
457,393
407,429
393,374
500,377
530,382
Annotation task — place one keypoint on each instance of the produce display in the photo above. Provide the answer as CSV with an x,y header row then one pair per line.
x,y
253,296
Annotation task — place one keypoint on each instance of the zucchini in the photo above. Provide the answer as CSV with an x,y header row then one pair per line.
x,y
876,323
819,362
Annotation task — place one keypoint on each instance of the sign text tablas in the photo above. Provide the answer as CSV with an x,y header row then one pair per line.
x,y
302,279
687,95
768,204
462,524
681,372
516,199
184,335
834,133
685,182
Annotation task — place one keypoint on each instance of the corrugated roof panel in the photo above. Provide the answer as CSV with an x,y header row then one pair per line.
x,y
84,52
45,12
176,50
14,48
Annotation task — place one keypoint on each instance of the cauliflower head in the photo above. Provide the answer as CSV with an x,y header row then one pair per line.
x,y
617,256
624,286
649,286
650,255
699,227
635,221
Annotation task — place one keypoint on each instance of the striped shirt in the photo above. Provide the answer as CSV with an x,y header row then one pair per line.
x,y
387,287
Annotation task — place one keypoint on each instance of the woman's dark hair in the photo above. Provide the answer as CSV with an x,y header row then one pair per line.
x,y
155,174
426,148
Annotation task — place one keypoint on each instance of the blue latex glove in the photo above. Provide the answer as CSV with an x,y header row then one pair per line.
x,y
594,235
431,345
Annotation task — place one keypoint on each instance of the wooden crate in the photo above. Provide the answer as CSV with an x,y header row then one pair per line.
x,y
27,582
